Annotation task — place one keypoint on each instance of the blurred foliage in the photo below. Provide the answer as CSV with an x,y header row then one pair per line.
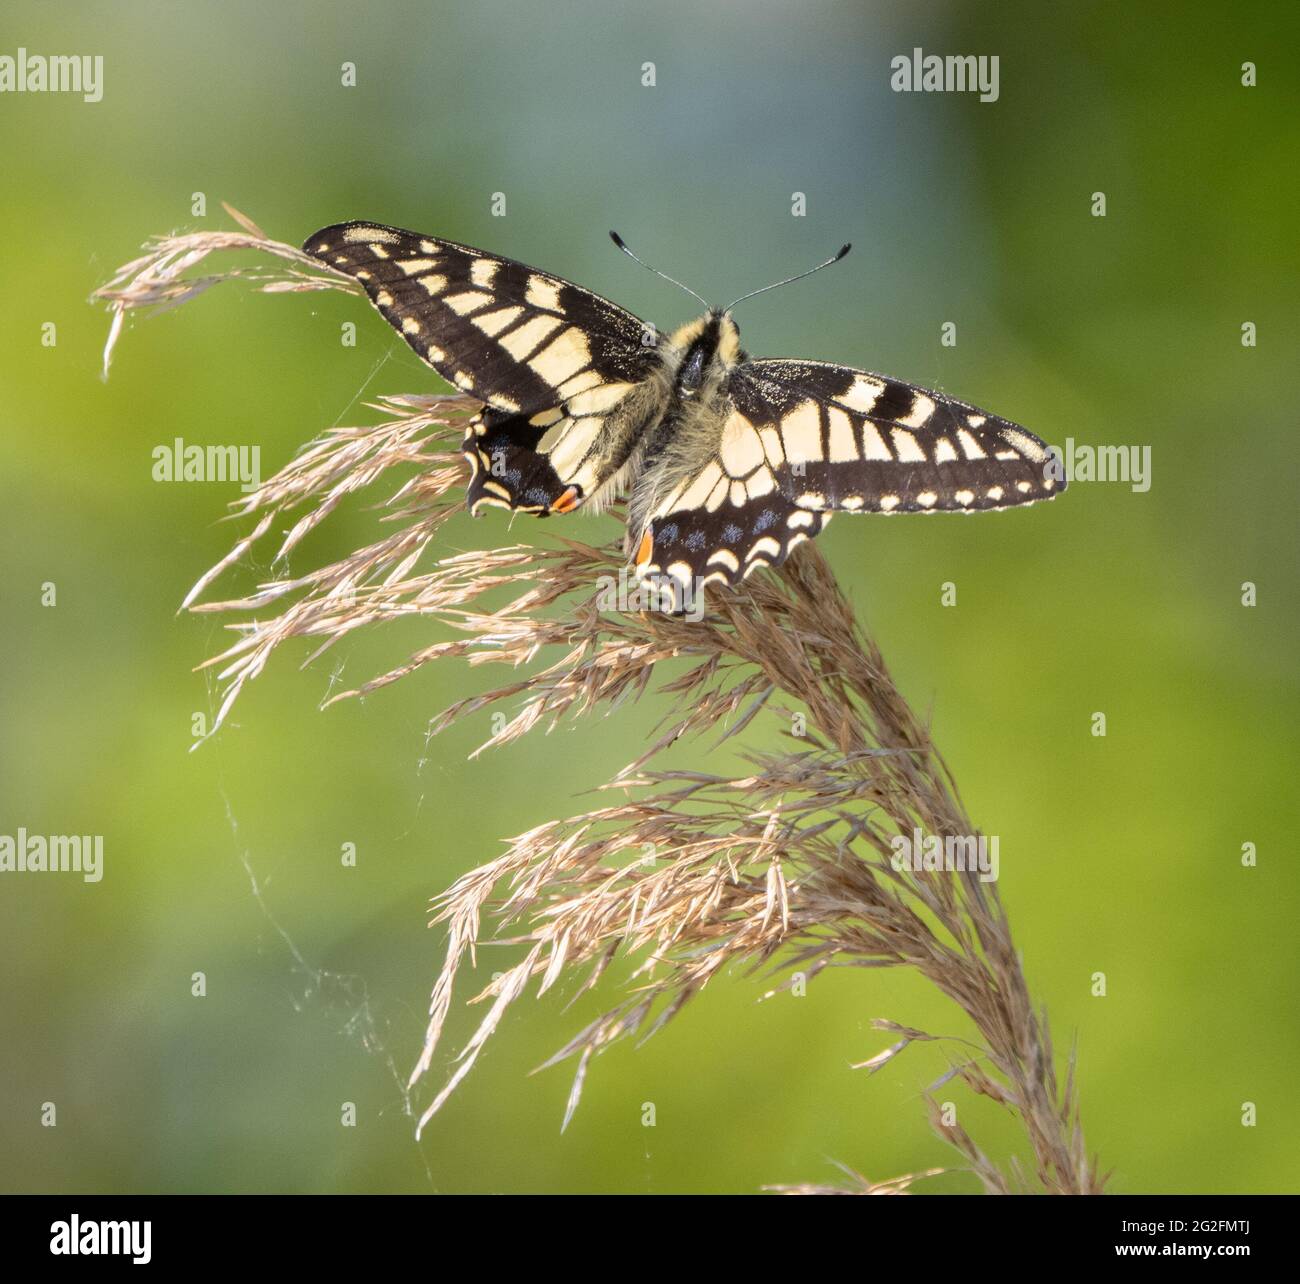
x,y
1120,855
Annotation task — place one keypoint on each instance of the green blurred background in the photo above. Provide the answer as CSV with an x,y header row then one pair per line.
x,y
1120,855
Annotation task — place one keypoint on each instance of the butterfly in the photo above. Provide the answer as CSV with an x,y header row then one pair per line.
x,y
727,461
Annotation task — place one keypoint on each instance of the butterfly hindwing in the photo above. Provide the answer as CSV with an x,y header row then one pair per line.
x,y
562,372
506,468
686,548
838,439
558,459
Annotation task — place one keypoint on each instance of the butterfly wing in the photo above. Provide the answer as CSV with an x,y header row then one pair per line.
x,y
561,371
801,440
835,438
691,544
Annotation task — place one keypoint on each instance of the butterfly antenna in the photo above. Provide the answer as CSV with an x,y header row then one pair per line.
x,y
618,240
834,259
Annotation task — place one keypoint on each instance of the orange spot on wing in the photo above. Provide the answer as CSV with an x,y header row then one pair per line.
x,y
646,548
567,502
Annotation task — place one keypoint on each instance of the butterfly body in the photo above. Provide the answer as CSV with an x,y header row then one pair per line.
x,y
727,462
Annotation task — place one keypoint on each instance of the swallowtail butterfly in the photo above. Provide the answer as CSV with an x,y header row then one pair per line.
x,y
727,461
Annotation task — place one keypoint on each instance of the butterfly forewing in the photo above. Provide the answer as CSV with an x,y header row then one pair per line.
x,y
834,438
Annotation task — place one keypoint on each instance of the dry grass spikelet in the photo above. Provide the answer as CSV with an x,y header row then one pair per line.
x,y
785,866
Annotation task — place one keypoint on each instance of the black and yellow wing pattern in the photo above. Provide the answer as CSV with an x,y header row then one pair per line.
x,y
561,371
840,439
729,462
802,440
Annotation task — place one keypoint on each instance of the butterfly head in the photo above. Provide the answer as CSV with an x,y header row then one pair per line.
x,y
705,348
